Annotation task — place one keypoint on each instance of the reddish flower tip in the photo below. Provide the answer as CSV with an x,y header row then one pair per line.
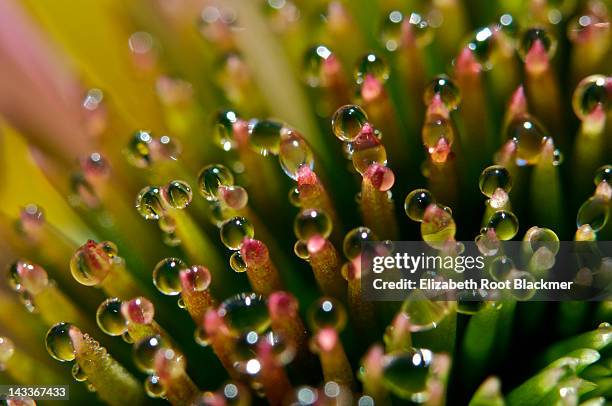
x,y
381,177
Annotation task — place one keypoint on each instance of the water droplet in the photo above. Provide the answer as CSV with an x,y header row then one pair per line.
x,y
532,35
539,237
200,337
294,197
150,203
196,277
154,387
25,275
311,222
371,65
265,136
508,25
166,276
223,128
294,152
234,231
425,314
501,267
354,240
167,224
448,91
139,310
529,136
420,29
166,147
126,337
481,45
211,177
177,194
245,312
78,374
171,239
594,212
235,197
169,363
591,92
237,262
603,174
493,178
504,223
317,61
438,136
31,218
109,317
7,349
144,353
367,150
300,248
405,373
138,150
59,343
95,166
347,122
92,262
438,227
327,312
391,30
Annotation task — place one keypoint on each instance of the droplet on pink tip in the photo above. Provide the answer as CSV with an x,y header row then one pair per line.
x,y
595,121
466,63
306,176
282,304
536,60
32,277
169,364
326,339
507,153
518,102
499,198
195,278
138,310
32,218
235,197
316,243
441,151
371,88
437,107
95,166
381,177
331,66
254,252
241,132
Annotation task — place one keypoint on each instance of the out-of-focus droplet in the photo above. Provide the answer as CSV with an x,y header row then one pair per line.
x,y
166,276
327,312
154,387
245,312
354,240
109,317
138,149
300,248
294,197
144,353
504,223
347,122
501,267
139,310
603,174
237,262
294,152
437,227
95,166
211,177
529,38
371,65
7,349
417,202
591,92
177,194
438,137
150,203
233,196
234,231
494,177
78,373
196,277
529,137
265,136
92,262
405,373
594,212
539,237
315,60
59,343
419,29
481,45
311,222
223,128
391,30
448,91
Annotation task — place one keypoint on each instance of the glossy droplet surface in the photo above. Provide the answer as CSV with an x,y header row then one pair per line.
x,y
494,177
603,174
109,317
139,310
235,197
367,150
438,226
138,149
529,136
448,91
371,65
294,197
245,312
7,349
313,63
481,45
264,136
92,262
150,203
154,387
197,277
501,267
234,231
504,223
223,128
311,222
391,30
237,262
300,248
294,152
592,91
327,312
405,373
354,240
58,342
425,314
211,177
347,122
530,36
419,29
539,237
594,212
417,202
177,194
166,276
144,353
78,373
438,136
